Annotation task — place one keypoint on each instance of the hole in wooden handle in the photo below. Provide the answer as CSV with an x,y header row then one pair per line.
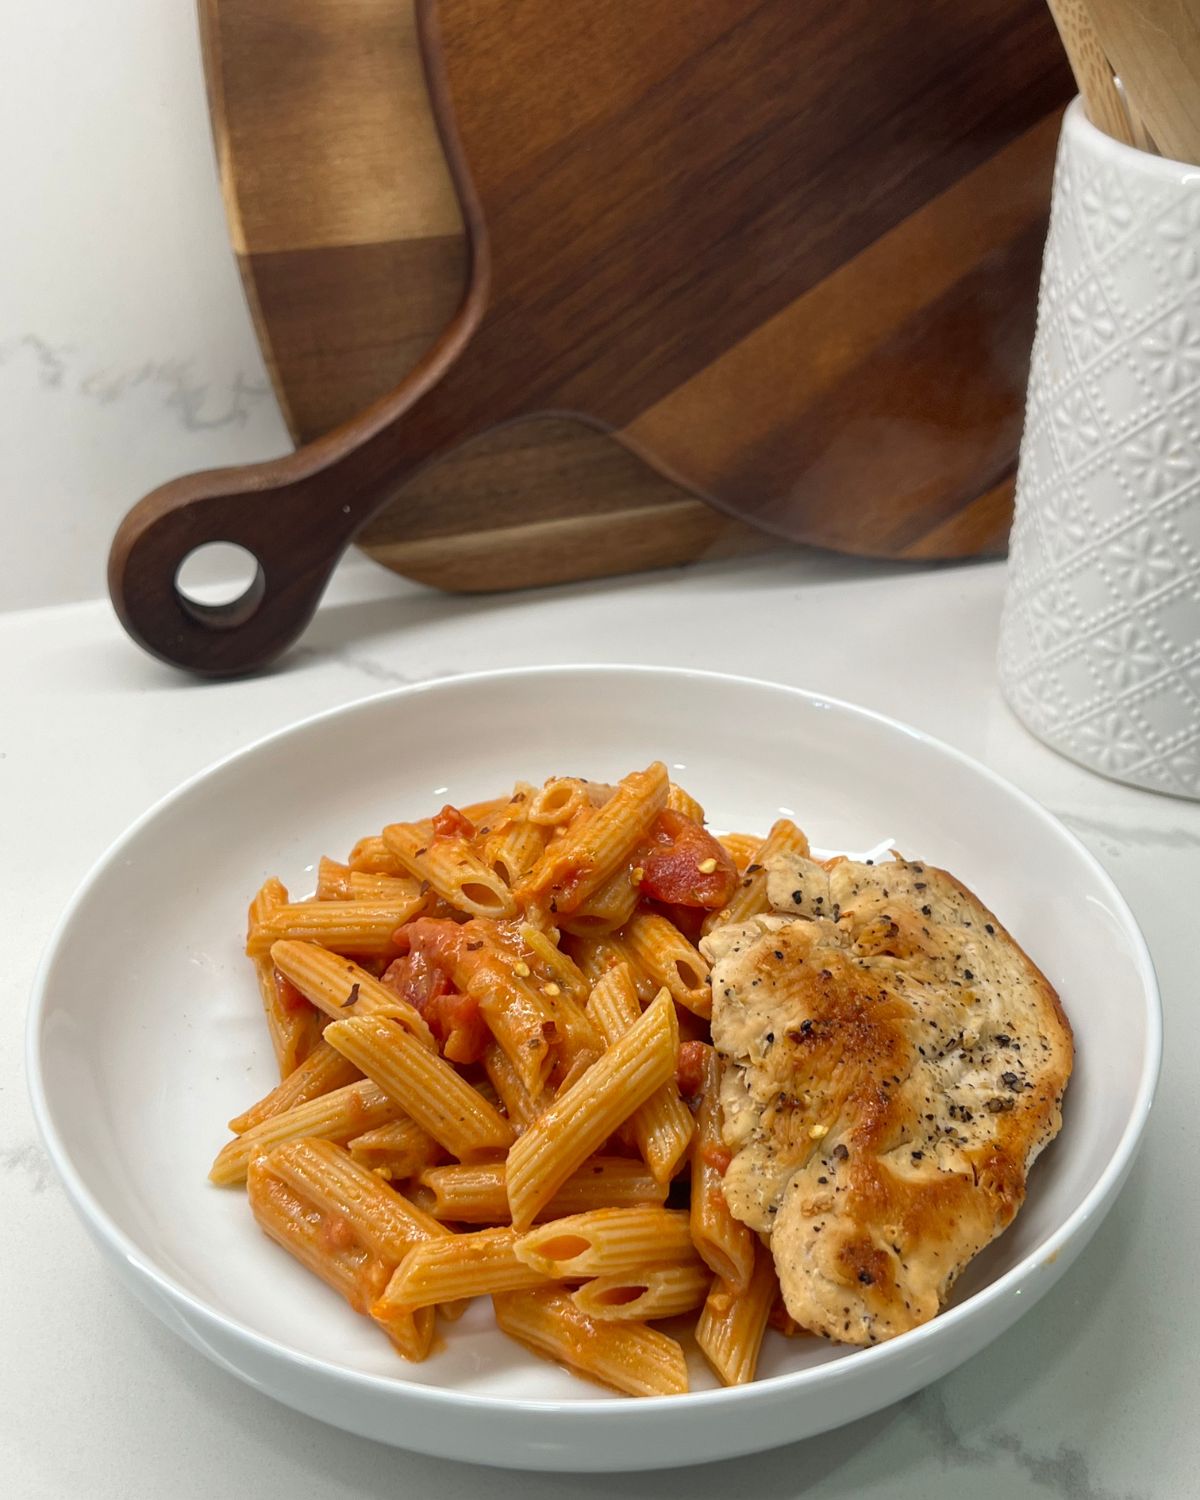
x,y
220,585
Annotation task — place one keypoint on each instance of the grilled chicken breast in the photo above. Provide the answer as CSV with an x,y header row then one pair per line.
x,y
892,1063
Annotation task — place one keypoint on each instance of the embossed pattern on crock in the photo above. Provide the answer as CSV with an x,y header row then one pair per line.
x,y
1100,637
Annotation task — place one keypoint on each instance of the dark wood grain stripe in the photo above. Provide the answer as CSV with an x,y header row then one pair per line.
x,y
681,226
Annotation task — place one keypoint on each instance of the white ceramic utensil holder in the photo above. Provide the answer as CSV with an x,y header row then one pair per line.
x,y
1100,638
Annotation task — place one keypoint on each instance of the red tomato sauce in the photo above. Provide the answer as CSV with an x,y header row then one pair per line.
x,y
691,1067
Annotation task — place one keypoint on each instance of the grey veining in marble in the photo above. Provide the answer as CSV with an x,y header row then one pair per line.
x,y
30,1162
199,405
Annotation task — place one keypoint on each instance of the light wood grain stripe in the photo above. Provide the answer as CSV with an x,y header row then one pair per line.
x,y
793,358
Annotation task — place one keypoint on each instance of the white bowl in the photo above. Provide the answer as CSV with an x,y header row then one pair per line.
x,y
145,1036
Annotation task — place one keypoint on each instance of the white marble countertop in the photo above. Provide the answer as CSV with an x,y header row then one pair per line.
x,y
1092,1397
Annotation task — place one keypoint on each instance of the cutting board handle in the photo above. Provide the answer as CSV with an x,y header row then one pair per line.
x,y
295,515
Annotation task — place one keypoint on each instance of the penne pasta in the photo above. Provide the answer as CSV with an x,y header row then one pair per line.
x,y
516,1018
464,1193
341,883
750,897
486,814
371,856
382,1221
479,1194
662,1127
741,848
521,1107
475,1005
595,954
630,1357
464,1265
605,1182
513,849
341,988
656,946
558,801
425,1086
333,880
646,1294
355,1231
608,1242
290,1221
453,869
518,1014
410,1332
579,1065
551,965
536,1023
577,1123
292,1023
732,1324
609,907
365,928
486,1091
322,1071
683,802
597,842
724,1243
338,1116
396,1150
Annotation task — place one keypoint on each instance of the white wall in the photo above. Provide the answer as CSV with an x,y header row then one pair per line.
x,y
126,352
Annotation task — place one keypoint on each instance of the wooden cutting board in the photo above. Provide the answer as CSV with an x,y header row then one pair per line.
x,y
881,404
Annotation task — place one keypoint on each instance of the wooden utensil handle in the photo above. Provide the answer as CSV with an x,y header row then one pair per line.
x,y
295,515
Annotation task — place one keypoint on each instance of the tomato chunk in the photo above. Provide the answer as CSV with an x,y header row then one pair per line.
x,y
691,1067
716,1156
685,866
457,1023
417,978
452,824
423,978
